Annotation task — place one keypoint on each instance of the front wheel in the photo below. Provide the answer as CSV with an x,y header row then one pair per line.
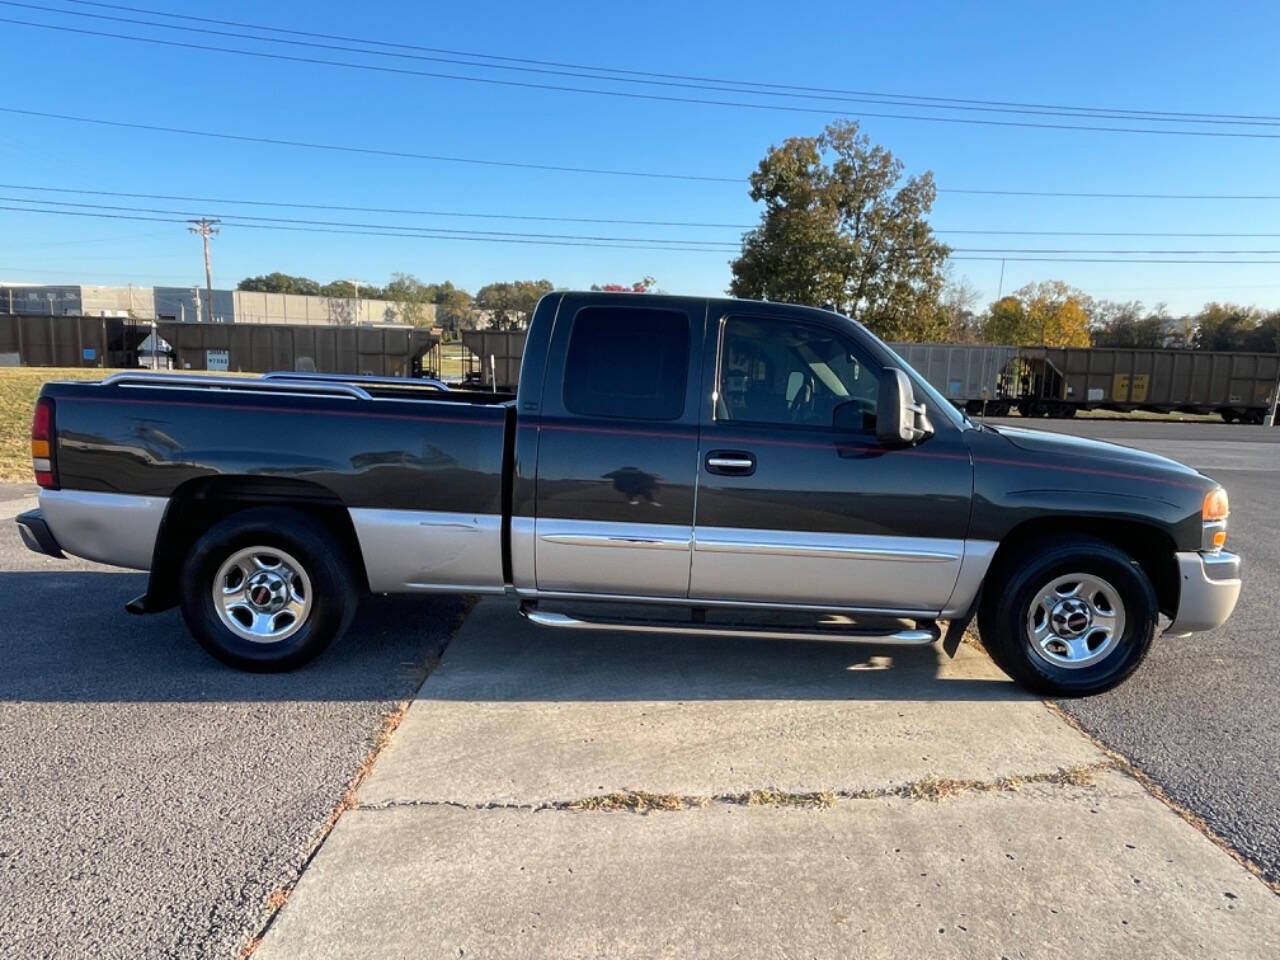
x,y
266,589
1071,617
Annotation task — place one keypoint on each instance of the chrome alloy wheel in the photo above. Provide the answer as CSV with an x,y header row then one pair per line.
x,y
1075,620
262,594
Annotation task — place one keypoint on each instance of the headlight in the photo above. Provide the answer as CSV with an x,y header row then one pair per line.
x,y
1214,514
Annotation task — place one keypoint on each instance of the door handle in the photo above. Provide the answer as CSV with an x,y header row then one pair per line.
x,y
733,463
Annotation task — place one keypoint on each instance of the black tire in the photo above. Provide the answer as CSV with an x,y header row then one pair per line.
x,y
1229,416
1014,589
329,603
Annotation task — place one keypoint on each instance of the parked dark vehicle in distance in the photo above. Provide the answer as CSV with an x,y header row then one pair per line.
x,y
706,466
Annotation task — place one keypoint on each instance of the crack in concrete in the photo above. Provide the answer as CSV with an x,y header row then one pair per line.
x,y
930,788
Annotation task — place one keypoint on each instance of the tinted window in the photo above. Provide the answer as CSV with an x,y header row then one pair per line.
x,y
627,362
777,371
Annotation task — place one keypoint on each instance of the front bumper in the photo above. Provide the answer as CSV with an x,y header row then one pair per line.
x,y
1210,588
36,534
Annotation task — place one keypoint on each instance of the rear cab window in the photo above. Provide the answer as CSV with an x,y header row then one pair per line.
x,y
627,363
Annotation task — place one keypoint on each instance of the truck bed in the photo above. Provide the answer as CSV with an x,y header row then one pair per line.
x,y
381,445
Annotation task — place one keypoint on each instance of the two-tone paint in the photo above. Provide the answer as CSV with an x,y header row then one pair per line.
x,y
459,492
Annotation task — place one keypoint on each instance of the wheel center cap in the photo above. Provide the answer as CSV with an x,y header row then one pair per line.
x,y
267,591
1071,618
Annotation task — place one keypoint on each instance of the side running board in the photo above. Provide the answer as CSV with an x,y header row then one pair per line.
x,y
917,637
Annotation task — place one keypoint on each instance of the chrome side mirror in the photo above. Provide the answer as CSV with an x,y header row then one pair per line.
x,y
899,419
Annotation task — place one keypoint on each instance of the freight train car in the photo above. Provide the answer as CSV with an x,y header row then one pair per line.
x,y
381,350
975,377
1037,381
59,341
493,358
1058,381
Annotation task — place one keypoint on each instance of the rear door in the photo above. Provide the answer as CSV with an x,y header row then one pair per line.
x,y
791,509
618,446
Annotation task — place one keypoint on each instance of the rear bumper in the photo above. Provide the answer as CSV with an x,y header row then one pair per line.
x,y
36,534
1210,588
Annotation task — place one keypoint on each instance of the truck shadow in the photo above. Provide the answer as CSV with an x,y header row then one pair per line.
x,y
497,656
68,639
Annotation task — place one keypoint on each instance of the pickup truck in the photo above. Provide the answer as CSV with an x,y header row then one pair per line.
x,y
705,466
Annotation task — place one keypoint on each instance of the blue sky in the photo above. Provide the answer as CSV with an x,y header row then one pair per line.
x,y
1151,56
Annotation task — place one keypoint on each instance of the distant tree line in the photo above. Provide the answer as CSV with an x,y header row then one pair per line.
x,y
501,306
1057,315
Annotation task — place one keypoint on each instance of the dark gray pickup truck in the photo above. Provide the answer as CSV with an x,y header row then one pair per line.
x,y
670,464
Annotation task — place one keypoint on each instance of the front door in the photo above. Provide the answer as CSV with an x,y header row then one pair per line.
x,y
791,509
618,448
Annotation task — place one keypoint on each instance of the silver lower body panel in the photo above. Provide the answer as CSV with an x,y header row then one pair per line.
x,y
115,528
590,555
788,566
416,551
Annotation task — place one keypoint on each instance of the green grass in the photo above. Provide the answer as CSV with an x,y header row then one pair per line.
x,y
19,387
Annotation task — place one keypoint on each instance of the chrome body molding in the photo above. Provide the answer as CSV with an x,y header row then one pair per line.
x,y
789,567
115,528
616,540
793,546
920,636
610,557
413,551
1210,587
523,570
978,555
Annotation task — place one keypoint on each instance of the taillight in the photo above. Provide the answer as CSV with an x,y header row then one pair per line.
x,y
42,442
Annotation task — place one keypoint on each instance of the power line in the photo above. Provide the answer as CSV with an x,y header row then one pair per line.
x,y
396,232
934,100
1027,256
444,231
397,210
553,168
1094,195
629,95
405,211
686,83
373,151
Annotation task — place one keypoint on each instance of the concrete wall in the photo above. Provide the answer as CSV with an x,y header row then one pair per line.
x,y
254,307
179,303
127,301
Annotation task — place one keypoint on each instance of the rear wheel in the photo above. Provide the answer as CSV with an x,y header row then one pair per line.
x,y
1070,617
267,589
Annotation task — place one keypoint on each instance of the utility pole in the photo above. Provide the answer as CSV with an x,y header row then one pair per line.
x,y
206,228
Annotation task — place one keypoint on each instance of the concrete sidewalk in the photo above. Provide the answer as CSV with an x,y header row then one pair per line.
x,y
788,792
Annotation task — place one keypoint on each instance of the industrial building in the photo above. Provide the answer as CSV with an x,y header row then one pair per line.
x,y
189,305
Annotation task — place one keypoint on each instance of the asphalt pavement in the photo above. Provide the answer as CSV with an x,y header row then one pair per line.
x,y
1202,714
151,799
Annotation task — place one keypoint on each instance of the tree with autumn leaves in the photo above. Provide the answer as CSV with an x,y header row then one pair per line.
x,y
1050,314
842,226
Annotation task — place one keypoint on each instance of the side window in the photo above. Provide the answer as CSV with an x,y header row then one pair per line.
x,y
777,371
627,362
